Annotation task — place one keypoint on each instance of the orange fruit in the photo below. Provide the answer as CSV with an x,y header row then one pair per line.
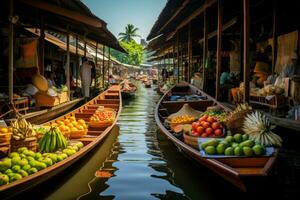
x,y
79,127
81,121
67,129
74,123
67,121
72,118
70,125
74,129
60,122
4,130
62,127
54,124
10,129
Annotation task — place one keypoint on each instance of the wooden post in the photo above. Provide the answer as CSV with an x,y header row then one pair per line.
x,y
181,62
108,63
42,48
84,47
96,63
178,71
189,51
274,49
219,48
77,63
246,30
68,64
205,48
103,67
174,47
11,53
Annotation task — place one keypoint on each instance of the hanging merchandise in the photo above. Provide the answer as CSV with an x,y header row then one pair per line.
x,y
28,52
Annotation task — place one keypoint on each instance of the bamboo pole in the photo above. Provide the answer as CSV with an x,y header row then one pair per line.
x,y
68,64
77,63
103,67
42,48
189,51
219,48
246,30
205,48
274,50
11,53
96,63
178,71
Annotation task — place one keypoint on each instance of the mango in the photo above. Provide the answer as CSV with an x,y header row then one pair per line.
x,y
248,151
221,148
258,150
210,150
4,179
245,137
247,143
238,138
229,151
229,139
238,151
32,170
212,142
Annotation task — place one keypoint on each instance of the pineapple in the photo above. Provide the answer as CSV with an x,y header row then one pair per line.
x,y
259,127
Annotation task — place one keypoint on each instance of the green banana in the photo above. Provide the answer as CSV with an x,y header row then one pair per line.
x,y
42,143
53,142
59,142
48,142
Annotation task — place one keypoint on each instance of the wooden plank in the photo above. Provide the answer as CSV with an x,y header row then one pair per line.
x,y
68,64
11,53
205,47
219,48
92,21
274,36
189,51
246,31
178,71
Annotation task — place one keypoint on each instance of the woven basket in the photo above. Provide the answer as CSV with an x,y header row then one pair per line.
x,y
191,141
235,121
77,134
4,149
30,143
5,137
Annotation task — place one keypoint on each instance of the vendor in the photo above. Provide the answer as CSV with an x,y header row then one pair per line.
x,y
86,77
292,68
50,78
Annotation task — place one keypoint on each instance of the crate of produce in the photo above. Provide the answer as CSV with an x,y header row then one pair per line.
x,y
30,143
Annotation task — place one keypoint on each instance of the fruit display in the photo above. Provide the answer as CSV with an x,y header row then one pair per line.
x,y
52,141
22,129
103,117
183,119
24,162
220,115
259,129
236,145
207,126
70,125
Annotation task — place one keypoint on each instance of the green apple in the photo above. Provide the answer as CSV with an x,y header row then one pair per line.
x,y
13,154
32,170
22,149
4,179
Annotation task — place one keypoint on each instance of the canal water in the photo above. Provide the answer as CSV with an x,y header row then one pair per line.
x,y
137,162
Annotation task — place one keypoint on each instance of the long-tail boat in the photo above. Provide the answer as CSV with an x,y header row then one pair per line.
x,y
239,170
110,98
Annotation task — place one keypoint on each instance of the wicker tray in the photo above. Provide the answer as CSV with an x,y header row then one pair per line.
x,y
77,134
30,143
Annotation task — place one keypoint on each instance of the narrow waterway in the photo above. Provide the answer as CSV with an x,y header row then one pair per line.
x,y
136,162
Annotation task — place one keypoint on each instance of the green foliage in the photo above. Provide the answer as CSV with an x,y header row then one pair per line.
x,y
135,53
129,34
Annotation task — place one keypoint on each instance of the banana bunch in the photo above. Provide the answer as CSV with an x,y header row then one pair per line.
x,y
52,141
22,129
259,127
241,107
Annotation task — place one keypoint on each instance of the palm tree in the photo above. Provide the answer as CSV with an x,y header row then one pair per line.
x,y
130,33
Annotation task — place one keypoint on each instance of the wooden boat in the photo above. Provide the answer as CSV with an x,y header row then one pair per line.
x,y
238,171
126,94
110,98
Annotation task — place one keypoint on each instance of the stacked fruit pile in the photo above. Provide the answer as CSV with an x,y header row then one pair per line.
x,y
70,125
107,116
25,162
5,134
52,141
207,126
237,145
182,119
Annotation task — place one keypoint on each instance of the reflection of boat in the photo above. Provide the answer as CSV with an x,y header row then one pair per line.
x,y
109,98
128,90
235,170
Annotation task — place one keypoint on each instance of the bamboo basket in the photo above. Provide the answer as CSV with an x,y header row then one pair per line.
x,y
30,143
191,140
4,149
235,122
77,134
5,137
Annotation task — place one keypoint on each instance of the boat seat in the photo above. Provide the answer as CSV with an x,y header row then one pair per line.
x,y
94,133
112,96
86,140
108,101
97,129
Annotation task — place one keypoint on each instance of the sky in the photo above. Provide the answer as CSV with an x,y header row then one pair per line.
x,y
118,13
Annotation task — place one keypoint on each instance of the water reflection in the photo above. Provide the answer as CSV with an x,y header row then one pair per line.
x,y
138,168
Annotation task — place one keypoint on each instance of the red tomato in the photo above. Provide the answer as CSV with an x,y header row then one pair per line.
x,y
209,131
215,125
218,132
205,124
204,135
200,130
194,133
195,125
203,118
210,119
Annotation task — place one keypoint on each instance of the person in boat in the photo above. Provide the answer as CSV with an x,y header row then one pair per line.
x,y
50,78
93,72
86,70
